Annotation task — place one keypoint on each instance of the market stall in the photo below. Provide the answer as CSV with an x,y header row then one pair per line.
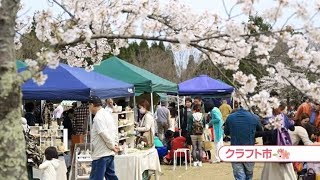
x,y
204,86
143,80
69,83
133,159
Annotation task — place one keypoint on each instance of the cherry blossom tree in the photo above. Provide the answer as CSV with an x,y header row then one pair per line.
x,y
89,29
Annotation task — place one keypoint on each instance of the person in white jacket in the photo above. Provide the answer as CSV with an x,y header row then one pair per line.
x,y
50,165
104,140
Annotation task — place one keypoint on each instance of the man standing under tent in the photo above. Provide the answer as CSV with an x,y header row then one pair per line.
x,y
225,110
185,114
163,119
198,101
47,113
79,124
109,105
29,115
104,140
57,113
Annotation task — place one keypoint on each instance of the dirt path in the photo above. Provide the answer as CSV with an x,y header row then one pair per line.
x,y
220,171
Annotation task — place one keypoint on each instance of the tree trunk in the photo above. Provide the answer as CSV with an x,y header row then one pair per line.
x,y
12,143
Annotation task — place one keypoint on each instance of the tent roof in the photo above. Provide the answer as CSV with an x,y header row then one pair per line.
x,y
20,64
204,85
72,83
143,80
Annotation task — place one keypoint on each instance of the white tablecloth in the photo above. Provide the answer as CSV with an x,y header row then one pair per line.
x,y
131,166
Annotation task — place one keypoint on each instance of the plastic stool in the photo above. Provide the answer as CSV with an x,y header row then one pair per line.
x,y
181,150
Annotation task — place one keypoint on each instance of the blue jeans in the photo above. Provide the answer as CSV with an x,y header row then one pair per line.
x,y
243,170
103,167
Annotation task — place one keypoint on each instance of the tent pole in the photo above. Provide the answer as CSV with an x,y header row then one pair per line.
x,y
90,114
232,102
151,98
135,108
179,125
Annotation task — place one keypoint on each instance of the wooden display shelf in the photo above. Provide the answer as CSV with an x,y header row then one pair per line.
x,y
84,160
123,112
124,138
125,125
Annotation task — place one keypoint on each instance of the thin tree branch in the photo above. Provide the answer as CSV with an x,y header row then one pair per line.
x,y
291,16
220,71
140,37
314,15
232,9
225,8
64,8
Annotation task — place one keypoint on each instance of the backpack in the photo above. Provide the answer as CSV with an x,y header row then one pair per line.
x,y
283,137
197,127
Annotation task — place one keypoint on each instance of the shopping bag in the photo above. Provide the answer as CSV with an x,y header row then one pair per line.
x,y
207,145
310,175
317,176
315,167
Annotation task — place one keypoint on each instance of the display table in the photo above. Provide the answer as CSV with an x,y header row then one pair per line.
x,y
132,165
127,166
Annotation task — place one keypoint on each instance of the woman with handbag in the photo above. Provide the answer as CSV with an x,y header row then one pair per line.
x,y
146,127
274,135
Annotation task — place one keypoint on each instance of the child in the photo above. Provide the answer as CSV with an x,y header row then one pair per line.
x,y
50,165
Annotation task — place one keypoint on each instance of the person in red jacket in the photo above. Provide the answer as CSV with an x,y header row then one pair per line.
x,y
177,143
305,107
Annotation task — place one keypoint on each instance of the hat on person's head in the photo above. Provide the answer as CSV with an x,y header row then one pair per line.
x,y
95,100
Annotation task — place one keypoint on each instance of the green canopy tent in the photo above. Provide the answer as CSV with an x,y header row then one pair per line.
x,y
20,64
143,80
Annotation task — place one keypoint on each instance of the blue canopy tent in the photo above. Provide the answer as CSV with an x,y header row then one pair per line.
x,y
211,90
72,83
204,85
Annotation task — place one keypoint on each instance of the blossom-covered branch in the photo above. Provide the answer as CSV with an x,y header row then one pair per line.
x,y
93,29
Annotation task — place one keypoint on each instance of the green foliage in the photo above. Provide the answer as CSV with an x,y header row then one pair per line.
x,y
144,45
262,25
155,58
30,46
161,46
